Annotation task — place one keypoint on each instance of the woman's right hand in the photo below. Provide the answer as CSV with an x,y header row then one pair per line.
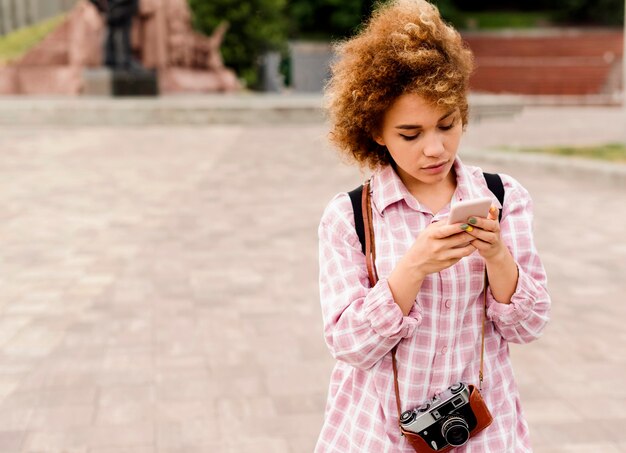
x,y
438,247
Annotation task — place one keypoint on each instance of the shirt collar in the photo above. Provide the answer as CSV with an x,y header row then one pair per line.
x,y
388,188
464,184
470,183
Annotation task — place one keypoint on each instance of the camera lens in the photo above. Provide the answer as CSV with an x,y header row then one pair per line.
x,y
455,431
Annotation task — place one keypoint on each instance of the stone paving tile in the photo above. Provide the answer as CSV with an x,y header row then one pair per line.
x,y
584,448
546,126
11,440
159,292
133,449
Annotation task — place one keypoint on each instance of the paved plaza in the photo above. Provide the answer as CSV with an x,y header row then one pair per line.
x,y
158,287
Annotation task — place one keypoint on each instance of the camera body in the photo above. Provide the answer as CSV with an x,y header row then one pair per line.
x,y
445,421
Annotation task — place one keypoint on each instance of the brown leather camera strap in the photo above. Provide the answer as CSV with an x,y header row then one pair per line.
x,y
370,259
370,243
482,340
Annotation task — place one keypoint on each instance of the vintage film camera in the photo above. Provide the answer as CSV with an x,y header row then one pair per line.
x,y
448,419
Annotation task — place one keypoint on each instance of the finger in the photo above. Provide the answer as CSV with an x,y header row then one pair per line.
x,y
483,235
483,224
460,239
461,252
445,231
480,245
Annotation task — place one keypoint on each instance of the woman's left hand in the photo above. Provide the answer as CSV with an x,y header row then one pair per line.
x,y
487,234
501,267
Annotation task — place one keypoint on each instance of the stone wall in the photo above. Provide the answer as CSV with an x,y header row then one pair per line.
x,y
547,62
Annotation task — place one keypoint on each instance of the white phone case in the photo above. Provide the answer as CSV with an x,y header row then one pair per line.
x,y
461,211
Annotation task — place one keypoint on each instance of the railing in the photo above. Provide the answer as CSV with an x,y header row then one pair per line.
x,y
15,14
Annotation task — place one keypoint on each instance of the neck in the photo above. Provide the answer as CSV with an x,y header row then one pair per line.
x,y
435,196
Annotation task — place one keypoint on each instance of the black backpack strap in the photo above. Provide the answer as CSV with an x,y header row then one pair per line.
x,y
355,197
494,182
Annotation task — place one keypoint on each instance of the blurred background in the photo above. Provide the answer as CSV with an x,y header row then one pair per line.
x,y
544,47
161,196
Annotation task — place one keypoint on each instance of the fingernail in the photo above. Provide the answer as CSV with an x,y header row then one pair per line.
x,y
469,229
466,227
472,220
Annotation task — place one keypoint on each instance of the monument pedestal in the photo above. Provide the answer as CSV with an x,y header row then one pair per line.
x,y
97,82
134,83
107,82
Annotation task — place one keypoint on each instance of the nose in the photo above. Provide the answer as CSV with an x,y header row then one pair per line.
x,y
433,145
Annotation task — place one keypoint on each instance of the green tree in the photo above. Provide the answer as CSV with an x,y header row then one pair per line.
x,y
601,12
448,11
333,19
256,26
326,19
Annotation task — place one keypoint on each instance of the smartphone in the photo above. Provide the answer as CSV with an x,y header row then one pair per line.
x,y
461,211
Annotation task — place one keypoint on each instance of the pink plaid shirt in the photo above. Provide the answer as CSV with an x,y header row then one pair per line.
x,y
439,340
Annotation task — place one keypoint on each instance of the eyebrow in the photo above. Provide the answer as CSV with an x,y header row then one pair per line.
x,y
418,126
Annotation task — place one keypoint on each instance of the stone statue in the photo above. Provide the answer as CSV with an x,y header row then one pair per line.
x,y
186,60
156,32
119,16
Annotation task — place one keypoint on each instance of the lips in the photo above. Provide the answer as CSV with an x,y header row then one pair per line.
x,y
437,165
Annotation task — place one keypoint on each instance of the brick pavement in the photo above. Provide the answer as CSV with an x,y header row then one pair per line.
x,y
159,293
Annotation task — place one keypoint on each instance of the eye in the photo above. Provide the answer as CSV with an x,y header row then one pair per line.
x,y
408,138
447,127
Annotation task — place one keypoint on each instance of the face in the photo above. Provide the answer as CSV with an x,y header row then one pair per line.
x,y
422,139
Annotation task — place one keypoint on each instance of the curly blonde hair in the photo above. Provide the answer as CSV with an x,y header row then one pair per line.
x,y
405,47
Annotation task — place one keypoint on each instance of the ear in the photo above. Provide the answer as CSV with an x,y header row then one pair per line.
x,y
378,139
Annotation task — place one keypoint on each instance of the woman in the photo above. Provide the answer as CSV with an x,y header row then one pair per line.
x,y
397,103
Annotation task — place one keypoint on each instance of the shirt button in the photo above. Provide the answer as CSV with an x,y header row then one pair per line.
x,y
448,303
444,350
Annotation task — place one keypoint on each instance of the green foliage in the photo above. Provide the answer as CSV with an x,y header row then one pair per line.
x,y
17,43
504,19
601,12
596,12
256,26
326,19
449,11
332,19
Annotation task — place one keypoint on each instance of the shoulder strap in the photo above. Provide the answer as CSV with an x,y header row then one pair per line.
x,y
355,198
494,182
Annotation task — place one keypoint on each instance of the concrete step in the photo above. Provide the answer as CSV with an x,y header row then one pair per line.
x,y
195,110
165,110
